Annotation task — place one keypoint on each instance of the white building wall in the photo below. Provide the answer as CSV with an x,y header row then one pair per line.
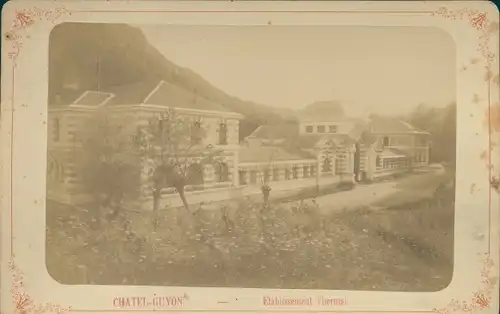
x,y
342,127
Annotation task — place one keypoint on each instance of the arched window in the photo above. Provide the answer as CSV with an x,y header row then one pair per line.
x,y
295,172
276,174
287,174
196,133
253,176
386,141
222,172
305,172
327,164
222,133
195,174
267,175
55,170
57,129
313,170
243,177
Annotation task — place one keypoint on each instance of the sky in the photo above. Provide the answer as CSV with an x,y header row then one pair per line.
x,y
386,70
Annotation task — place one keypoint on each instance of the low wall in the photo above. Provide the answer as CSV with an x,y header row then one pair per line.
x,y
279,189
216,195
389,172
64,197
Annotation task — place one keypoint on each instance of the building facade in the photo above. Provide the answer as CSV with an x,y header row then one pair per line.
x,y
129,108
318,150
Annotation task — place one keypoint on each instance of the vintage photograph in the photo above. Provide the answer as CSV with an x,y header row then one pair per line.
x,y
272,157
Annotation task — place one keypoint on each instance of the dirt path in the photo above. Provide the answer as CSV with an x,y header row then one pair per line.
x,y
362,195
366,195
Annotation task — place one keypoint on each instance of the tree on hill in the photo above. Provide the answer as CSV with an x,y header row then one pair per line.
x,y
87,56
323,108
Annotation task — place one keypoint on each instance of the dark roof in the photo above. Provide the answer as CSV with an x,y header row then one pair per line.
x,y
269,154
393,126
306,141
278,131
92,98
160,93
290,133
171,95
391,152
131,94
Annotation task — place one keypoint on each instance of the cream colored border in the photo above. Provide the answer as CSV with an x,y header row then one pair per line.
x,y
26,285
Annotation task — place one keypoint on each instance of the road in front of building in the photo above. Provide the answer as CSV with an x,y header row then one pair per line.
x,y
370,194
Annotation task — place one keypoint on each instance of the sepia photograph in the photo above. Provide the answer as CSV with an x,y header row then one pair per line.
x,y
314,157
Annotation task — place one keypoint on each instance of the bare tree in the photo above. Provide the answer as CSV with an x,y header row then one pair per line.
x,y
172,150
106,164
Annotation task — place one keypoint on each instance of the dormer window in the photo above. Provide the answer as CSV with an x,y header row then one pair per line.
x,y
321,129
332,129
309,129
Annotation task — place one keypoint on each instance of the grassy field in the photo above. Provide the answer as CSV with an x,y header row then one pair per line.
x,y
408,246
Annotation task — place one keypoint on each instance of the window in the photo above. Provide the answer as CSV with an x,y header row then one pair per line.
x,y
55,169
276,174
287,174
295,172
164,126
196,130
327,164
339,164
267,175
378,162
222,133
222,172
57,129
309,129
332,129
195,174
243,179
386,141
253,176
313,170
305,171
321,129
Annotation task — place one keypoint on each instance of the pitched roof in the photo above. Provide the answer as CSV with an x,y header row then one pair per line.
x,y
172,95
162,94
278,131
392,152
393,126
131,94
92,99
268,154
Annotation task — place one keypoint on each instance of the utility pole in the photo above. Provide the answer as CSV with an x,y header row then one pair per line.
x,y
99,59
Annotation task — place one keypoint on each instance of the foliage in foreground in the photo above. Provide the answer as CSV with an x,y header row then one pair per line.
x,y
251,245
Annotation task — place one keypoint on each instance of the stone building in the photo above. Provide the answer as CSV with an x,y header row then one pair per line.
x,y
128,108
323,148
